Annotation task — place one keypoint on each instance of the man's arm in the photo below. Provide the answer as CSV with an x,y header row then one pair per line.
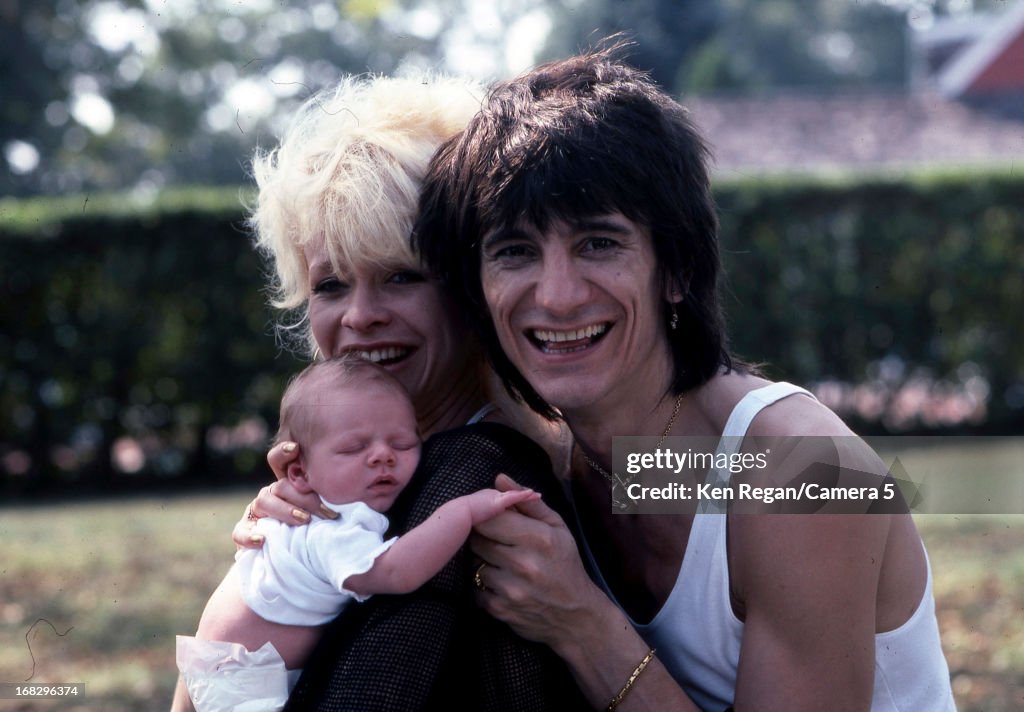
x,y
537,584
809,588
807,583
418,555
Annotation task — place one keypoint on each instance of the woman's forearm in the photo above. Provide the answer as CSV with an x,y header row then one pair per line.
x,y
181,701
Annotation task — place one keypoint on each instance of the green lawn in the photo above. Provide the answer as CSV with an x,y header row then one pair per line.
x,y
125,576
978,567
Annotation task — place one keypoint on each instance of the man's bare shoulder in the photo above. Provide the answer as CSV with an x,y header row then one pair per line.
x,y
795,415
798,415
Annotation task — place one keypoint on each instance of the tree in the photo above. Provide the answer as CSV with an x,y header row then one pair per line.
x,y
667,32
790,43
142,93
821,44
101,94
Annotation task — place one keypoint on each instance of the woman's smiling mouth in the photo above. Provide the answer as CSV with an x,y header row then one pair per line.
x,y
384,356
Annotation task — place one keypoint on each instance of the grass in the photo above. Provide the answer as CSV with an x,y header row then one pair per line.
x,y
125,576
978,566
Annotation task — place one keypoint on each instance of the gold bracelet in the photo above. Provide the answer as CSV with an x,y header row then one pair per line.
x,y
617,700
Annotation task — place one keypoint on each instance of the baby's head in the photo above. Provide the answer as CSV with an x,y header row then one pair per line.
x,y
356,431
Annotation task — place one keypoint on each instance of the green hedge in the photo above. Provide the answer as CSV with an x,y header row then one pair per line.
x,y
912,287
142,326
145,321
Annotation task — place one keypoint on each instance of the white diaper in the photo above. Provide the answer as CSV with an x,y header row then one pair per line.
x,y
225,677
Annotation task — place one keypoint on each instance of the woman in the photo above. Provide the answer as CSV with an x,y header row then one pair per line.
x,y
336,204
574,217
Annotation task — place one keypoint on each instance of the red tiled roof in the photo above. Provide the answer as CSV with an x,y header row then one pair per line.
x,y
861,131
993,63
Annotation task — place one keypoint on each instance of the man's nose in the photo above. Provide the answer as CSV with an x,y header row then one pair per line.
x,y
561,287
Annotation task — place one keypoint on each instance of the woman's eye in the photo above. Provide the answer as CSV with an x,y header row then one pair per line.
x,y
328,285
407,276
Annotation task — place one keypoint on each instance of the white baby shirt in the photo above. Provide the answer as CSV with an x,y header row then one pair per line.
x,y
296,577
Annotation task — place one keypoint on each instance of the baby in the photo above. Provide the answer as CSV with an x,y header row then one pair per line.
x,y
359,447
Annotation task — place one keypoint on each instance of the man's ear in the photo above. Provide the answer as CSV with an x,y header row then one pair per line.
x,y
296,473
675,290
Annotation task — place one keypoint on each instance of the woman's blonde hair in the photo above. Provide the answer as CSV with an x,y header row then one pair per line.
x,y
349,169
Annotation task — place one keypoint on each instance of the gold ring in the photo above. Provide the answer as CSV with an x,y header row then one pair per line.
x,y
477,579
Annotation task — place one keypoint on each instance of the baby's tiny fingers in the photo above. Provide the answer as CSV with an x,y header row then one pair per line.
x,y
514,497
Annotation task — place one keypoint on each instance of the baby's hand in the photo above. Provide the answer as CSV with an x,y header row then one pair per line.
x,y
489,503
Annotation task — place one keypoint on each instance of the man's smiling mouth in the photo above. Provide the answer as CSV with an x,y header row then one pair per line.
x,y
560,341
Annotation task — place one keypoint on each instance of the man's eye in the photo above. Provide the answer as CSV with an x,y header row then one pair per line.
x,y
599,244
511,252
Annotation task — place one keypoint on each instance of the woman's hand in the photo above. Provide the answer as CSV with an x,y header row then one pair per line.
x,y
533,578
280,500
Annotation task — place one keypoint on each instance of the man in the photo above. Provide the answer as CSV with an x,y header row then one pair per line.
x,y
574,219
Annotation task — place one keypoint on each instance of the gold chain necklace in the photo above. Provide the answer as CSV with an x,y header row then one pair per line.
x,y
614,478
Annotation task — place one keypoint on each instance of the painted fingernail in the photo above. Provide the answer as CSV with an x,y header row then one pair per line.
x,y
327,513
300,515
289,447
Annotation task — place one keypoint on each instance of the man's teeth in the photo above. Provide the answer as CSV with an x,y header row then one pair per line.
x,y
586,332
378,355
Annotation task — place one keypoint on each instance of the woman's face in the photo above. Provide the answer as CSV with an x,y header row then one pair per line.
x,y
396,317
577,309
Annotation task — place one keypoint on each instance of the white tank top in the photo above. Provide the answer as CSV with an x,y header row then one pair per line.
x,y
698,636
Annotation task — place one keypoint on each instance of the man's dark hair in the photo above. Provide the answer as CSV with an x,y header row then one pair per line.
x,y
570,140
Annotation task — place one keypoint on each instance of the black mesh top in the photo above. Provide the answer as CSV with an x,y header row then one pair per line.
x,y
435,648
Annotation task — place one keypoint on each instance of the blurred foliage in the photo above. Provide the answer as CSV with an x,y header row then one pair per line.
x,y
181,90
745,45
145,94
890,281
749,46
793,43
667,33
139,334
